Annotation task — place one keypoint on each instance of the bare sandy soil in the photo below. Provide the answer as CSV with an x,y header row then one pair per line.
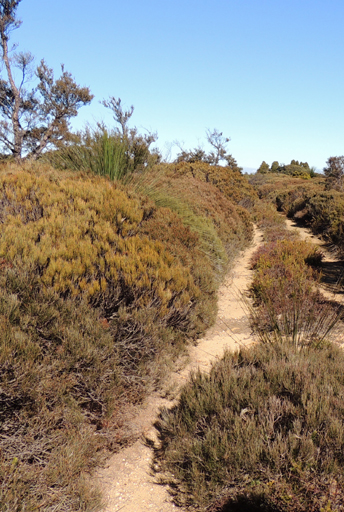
x,y
127,481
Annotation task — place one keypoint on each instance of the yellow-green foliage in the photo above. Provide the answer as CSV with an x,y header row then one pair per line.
x,y
222,225
82,236
230,182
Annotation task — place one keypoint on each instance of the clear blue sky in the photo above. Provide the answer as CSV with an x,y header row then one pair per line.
x,y
268,73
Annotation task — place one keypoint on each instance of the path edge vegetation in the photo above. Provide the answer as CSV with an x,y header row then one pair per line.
x,y
257,432
110,262
140,262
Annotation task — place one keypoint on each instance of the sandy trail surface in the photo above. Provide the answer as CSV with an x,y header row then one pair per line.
x,y
127,482
332,267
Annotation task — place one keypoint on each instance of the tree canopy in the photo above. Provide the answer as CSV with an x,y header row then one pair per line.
x,y
334,172
33,118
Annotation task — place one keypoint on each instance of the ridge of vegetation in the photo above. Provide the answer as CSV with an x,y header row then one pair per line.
x,y
316,203
102,286
262,431
110,262
257,432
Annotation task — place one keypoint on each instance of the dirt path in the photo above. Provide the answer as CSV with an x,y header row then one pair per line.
x,y
332,267
127,482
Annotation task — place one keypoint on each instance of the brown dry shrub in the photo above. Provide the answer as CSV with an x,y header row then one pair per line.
x,y
61,390
321,210
231,221
263,431
287,303
270,186
67,370
230,182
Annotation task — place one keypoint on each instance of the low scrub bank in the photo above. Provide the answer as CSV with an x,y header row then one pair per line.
x,y
229,181
263,431
271,223
259,432
322,212
287,303
61,384
224,227
307,202
101,286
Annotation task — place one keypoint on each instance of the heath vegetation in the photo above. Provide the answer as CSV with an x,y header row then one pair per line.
x,y
263,431
110,263
260,432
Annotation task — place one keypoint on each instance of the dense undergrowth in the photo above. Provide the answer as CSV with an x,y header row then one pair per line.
x,y
264,430
309,202
105,279
102,284
288,306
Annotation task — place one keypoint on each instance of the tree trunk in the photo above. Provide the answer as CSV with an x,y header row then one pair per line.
x,y
17,131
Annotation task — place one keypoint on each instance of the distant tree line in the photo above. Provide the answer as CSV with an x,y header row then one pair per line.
x,y
333,172
295,168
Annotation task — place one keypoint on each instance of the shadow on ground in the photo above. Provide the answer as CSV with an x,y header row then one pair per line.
x,y
333,276
244,504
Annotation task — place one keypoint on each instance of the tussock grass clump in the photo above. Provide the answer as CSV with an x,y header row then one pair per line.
x,y
288,305
101,153
263,431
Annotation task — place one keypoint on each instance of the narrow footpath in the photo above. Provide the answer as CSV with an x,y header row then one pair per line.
x,y
127,482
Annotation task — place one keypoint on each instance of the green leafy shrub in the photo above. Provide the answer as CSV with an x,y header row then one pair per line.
x,y
263,431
